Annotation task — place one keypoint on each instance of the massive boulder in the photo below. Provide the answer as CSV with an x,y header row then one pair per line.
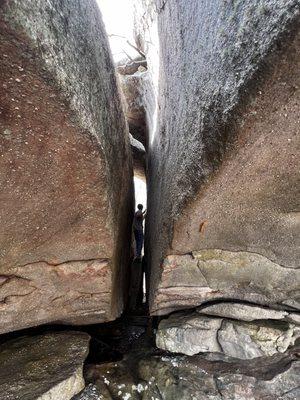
x,y
65,167
223,204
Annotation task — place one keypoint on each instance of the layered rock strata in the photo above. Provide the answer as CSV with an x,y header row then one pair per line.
x,y
43,367
206,275
191,333
65,173
223,166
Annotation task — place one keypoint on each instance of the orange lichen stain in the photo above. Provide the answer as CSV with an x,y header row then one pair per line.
x,y
202,226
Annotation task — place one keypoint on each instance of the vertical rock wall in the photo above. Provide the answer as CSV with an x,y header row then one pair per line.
x,y
66,174
223,170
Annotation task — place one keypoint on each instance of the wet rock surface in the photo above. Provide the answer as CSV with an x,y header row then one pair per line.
x,y
225,136
165,376
141,371
91,392
43,367
66,174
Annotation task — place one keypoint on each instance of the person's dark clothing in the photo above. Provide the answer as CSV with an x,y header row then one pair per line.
x,y
138,231
138,220
139,241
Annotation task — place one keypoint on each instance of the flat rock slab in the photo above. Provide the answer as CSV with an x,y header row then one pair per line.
x,y
45,367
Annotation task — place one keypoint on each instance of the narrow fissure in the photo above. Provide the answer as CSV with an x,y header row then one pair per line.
x,y
224,314
131,69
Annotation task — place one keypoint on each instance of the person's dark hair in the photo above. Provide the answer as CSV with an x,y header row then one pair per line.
x,y
140,206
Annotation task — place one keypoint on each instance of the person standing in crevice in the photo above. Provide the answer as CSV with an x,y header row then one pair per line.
x,y
138,229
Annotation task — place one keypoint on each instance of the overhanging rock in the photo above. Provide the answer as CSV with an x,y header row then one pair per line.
x,y
66,171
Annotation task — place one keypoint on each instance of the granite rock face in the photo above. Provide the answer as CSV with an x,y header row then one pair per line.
x,y
43,367
65,167
191,333
223,170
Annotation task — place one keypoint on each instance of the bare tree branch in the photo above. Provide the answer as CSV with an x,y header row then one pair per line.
x,y
136,49
129,44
